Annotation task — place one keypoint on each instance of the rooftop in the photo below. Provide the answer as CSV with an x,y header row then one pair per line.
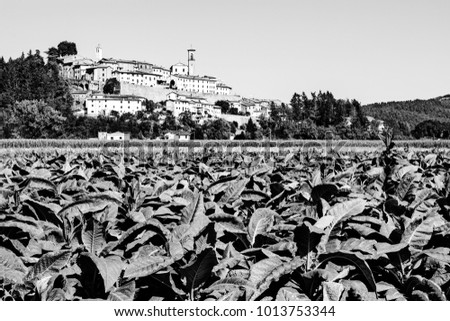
x,y
115,97
137,72
126,61
206,78
159,67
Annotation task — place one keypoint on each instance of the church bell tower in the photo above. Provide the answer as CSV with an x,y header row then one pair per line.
x,y
98,53
191,62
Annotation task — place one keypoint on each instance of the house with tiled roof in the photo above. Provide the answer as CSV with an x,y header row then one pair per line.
x,y
137,77
101,104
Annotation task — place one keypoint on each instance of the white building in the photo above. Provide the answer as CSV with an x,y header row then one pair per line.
x,y
113,136
99,73
222,89
180,135
194,84
179,69
126,65
197,106
108,62
163,72
79,68
101,104
141,78
66,65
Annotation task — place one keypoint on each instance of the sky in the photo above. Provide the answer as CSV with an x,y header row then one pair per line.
x,y
372,51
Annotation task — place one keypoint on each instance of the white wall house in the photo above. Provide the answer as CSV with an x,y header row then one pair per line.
x,y
163,72
222,89
99,73
66,65
195,84
79,68
141,78
113,136
104,104
251,107
180,135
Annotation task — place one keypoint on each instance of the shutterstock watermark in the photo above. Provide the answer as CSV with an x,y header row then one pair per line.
x,y
178,150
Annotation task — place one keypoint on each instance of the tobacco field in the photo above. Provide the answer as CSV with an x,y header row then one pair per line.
x,y
215,226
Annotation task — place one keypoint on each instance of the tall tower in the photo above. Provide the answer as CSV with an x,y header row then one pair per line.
x,y
191,62
98,53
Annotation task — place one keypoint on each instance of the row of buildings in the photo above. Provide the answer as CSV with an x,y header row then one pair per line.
x,y
100,104
179,76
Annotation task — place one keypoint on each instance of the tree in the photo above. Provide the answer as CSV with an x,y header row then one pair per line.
x,y
52,53
35,119
217,129
170,123
112,86
251,129
296,104
185,120
432,129
150,105
225,105
66,48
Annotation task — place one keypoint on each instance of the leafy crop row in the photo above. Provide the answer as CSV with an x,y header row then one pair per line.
x,y
303,226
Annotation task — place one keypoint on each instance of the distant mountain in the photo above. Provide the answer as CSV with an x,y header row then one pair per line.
x,y
404,116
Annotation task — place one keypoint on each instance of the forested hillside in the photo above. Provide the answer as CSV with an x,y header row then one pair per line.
x,y
404,116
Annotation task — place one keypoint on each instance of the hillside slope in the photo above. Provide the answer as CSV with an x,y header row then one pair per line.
x,y
404,116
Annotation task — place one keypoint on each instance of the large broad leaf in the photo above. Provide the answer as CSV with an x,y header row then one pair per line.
x,y
145,266
109,268
290,294
12,268
125,292
228,222
150,224
199,222
162,186
43,211
406,185
41,184
332,291
11,227
440,253
419,232
92,236
91,204
356,260
342,211
307,238
267,271
220,185
198,271
49,264
233,191
260,222
231,284
196,207
339,213
420,288
254,196
325,191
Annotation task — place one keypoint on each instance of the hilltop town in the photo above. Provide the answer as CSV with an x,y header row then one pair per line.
x,y
74,96
178,88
